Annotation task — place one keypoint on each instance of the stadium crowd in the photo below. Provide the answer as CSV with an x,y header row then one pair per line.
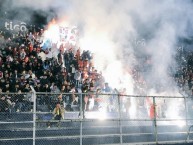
x,y
184,74
22,66
71,71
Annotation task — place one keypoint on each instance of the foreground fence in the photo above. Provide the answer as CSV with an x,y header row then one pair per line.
x,y
95,119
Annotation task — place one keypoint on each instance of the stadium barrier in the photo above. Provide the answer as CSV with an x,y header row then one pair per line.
x,y
93,118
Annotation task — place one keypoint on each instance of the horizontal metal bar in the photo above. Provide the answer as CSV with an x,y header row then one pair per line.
x,y
153,143
116,94
10,139
16,122
90,120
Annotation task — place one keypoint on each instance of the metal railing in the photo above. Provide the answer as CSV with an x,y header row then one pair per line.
x,y
92,118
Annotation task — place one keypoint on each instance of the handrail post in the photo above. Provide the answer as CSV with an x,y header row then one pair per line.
x,y
81,116
120,126
34,114
186,109
154,120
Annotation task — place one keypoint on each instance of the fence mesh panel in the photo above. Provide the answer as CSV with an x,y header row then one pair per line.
x,y
16,118
92,118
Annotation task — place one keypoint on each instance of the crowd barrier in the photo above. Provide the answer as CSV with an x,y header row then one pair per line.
x,y
93,118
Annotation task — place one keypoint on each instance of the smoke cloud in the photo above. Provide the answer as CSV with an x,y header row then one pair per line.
x,y
122,33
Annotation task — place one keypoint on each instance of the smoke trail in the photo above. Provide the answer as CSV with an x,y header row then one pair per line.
x,y
120,33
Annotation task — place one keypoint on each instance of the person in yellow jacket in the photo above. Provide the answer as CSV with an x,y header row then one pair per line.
x,y
58,112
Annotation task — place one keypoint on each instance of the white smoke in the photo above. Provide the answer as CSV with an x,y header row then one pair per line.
x,y
108,28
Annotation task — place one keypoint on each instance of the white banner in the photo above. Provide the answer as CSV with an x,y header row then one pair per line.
x,y
68,35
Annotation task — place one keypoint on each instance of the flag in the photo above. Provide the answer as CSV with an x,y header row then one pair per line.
x,y
46,44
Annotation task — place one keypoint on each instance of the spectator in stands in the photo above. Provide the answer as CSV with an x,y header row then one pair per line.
x,y
84,101
77,78
58,114
6,106
3,104
54,88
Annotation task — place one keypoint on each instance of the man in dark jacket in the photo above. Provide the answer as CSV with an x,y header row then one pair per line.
x,y
3,104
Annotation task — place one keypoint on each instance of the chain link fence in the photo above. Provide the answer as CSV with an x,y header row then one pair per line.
x,y
16,118
93,118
